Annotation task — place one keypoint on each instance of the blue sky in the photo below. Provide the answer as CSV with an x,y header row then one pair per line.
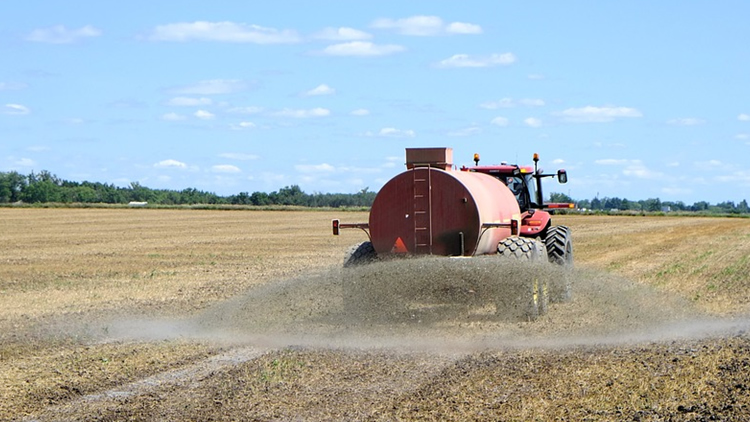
x,y
634,99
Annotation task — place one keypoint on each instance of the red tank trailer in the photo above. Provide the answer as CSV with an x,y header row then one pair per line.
x,y
433,208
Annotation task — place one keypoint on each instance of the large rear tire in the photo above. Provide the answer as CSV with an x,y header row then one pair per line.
x,y
521,248
559,247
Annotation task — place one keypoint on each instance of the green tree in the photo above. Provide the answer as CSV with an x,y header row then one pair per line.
x,y
260,198
560,197
12,185
42,191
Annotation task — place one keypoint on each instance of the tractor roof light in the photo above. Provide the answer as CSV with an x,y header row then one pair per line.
x,y
536,157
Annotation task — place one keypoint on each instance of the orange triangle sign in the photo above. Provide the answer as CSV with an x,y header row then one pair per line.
x,y
398,246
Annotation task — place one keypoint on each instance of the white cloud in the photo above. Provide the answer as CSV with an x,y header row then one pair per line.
x,y
244,125
676,191
500,121
225,168
188,101
212,87
710,165
502,103
360,112
426,26
463,28
61,35
314,168
245,110
362,49
172,117
744,117
37,148
689,121
464,60
342,34
532,122
12,86
738,177
531,102
611,162
222,32
742,136
640,171
321,89
204,115
510,102
389,132
302,114
170,164
15,109
632,168
597,114
558,161
240,156
393,161
25,162
415,25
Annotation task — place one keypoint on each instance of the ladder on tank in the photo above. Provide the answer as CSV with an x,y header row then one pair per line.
x,y
422,210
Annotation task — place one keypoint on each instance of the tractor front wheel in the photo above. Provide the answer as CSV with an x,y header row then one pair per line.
x,y
560,251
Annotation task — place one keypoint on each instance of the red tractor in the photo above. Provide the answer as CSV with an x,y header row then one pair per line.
x,y
433,208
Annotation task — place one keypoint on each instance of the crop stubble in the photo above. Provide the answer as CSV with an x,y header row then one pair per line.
x,y
71,277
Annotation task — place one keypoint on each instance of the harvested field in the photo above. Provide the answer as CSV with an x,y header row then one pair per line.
x,y
139,314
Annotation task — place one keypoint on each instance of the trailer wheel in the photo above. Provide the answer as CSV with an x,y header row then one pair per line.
x,y
357,301
560,251
360,254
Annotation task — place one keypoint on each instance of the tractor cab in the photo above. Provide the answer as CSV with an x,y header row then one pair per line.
x,y
519,180
525,182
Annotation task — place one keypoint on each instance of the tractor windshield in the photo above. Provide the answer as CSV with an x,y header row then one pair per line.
x,y
531,188
524,189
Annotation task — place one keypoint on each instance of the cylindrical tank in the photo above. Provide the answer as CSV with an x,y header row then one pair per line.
x,y
426,210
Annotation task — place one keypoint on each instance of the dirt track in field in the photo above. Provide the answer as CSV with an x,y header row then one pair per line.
x,y
655,329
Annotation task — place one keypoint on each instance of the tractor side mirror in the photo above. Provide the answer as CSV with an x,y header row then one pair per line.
x,y
562,176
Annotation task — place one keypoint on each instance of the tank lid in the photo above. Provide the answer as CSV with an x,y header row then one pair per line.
x,y
441,158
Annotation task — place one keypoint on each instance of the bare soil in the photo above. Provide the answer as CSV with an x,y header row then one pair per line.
x,y
144,314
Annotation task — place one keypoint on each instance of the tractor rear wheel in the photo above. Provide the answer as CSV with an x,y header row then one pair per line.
x,y
560,251
521,248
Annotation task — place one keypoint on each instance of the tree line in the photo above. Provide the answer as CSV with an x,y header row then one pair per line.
x,y
653,205
44,187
